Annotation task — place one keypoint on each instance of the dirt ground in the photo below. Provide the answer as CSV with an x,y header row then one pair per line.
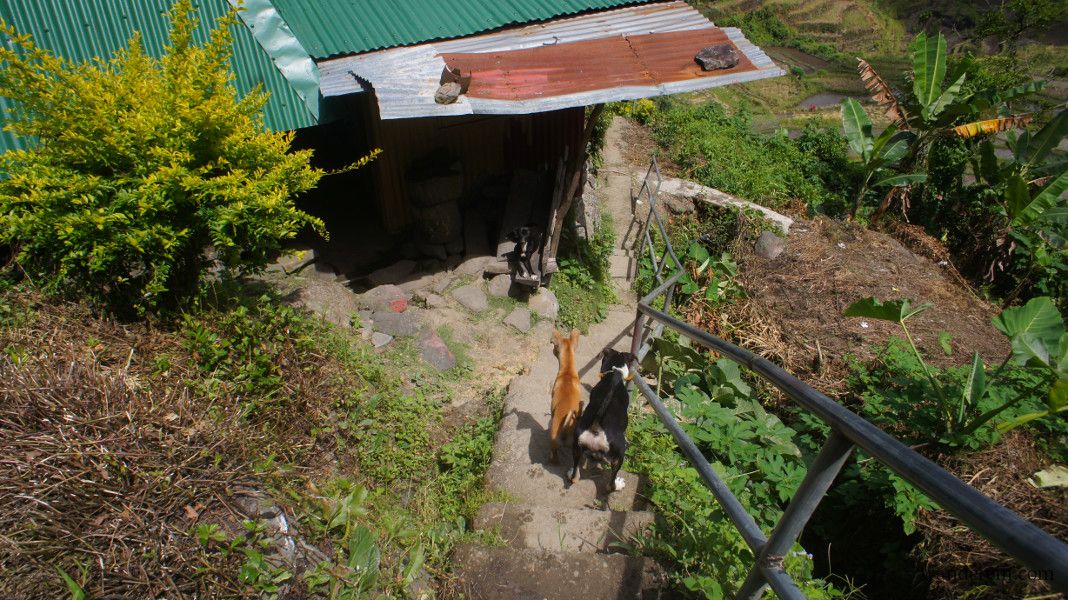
x,y
795,302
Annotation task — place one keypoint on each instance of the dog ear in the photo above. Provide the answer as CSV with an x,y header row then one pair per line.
x,y
557,338
574,336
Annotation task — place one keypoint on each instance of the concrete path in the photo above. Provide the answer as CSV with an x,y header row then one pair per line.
x,y
559,537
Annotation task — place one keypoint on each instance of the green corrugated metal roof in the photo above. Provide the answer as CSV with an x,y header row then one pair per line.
x,y
331,27
81,29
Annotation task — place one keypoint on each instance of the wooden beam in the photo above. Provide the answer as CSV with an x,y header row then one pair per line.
x,y
572,177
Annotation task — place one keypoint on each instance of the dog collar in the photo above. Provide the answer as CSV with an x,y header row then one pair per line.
x,y
625,371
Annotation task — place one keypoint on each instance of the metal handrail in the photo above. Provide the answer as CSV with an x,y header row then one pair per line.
x,y
1038,550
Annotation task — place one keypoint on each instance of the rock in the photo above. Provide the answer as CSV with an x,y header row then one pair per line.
x,y
436,251
396,324
472,297
443,284
519,318
435,301
393,273
499,286
447,93
380,339
439,223
544,304
384,297
769,245
419,281
473,266
678,204
434,351
717,56
292,262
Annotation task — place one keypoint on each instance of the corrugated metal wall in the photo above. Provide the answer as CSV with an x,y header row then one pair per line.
x,y
82,29
337,27
485,147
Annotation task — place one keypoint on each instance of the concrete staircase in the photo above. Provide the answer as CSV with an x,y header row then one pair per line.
x,y
558,538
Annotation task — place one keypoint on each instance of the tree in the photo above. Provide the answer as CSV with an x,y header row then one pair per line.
x,y
1009,21
146,171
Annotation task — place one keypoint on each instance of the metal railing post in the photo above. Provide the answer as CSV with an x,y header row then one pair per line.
x,y
818,480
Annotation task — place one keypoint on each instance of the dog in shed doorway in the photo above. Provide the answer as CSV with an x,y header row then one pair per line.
x,y
567,395
602,428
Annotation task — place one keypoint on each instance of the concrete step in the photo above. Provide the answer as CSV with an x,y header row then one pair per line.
x,y
621,266
561,529
492,573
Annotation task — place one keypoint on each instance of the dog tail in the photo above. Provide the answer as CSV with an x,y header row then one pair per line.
x,y
571,419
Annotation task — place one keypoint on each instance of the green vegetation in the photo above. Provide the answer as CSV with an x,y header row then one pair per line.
x,y
961,408
265,391
721,150
141,166
764,27
940,133
583,285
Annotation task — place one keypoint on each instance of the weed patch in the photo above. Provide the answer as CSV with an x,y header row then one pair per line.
x,y
583,285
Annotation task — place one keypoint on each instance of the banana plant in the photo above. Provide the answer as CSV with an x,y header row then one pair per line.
x,y
878,154
1039,342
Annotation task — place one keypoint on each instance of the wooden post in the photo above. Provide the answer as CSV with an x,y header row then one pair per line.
x,y
572,177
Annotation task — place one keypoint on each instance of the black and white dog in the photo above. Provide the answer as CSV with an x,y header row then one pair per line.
x,y
602,428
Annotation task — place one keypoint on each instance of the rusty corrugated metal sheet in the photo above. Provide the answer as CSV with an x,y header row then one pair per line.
x,y
648,60
80,30
405,79
339,27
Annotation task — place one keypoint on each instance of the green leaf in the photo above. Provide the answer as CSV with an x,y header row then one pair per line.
x,y
901,180
76,591
944,99
1058,395
896,311
1017,196
974,387
929,68
1022,419
988,162
943,340
857,128
1043,201
1039,317
1047,138
1028,349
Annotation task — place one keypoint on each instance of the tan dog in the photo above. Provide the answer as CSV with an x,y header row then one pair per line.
x,y
567,393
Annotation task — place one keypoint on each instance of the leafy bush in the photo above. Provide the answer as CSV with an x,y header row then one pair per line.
x,y
141,164
961,402
721,150
750,449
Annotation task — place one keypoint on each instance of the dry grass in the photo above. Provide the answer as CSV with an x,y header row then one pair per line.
x,y
960,562
109,458
101,468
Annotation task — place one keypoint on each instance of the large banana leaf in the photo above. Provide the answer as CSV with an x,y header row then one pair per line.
x,y
902,179
857,127
988,126
881,93
929,68
1023,208
1042,143
944,99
